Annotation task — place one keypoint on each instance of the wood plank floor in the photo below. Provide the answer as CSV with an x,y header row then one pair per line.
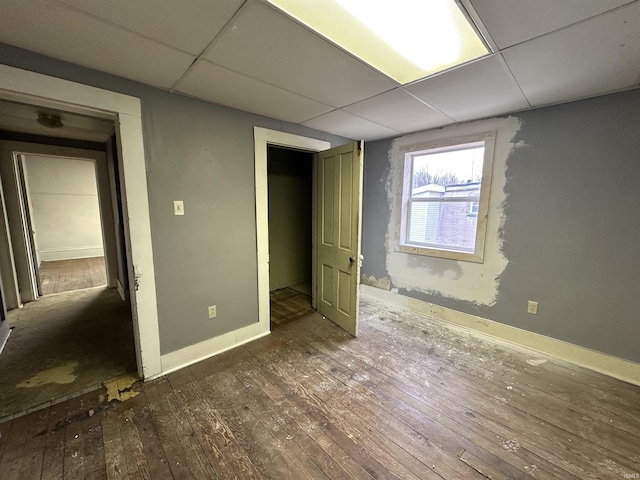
x,y
68,275
408,399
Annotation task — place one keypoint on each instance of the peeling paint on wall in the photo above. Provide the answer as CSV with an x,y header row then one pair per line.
x,y
136,277
473,282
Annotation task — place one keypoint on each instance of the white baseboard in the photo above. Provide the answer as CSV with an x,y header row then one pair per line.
x,y
52,255
214,346
619,368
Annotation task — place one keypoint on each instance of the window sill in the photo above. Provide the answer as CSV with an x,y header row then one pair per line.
x,y
439,253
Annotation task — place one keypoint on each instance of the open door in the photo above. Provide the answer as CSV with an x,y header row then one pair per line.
x,y
337,234
29,226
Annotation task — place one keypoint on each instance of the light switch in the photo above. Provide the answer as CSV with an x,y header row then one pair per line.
x,y
178,207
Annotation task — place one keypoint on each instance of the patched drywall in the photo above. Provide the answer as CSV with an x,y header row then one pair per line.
x,y
459,280
563,228
375,207
572,225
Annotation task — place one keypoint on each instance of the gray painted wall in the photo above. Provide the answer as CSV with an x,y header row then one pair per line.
x,y
290,217
203,154
63,196
569,232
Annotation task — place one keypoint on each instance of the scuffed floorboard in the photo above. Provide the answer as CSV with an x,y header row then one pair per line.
x,y
410,398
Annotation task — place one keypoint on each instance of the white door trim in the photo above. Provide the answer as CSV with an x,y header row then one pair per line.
x,y
262,139
30,87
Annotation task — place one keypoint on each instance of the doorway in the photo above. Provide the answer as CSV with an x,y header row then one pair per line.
x,y
58,208
36,89
290,190
67,236
336,235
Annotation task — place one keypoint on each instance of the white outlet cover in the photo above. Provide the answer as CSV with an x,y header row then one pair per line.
x,y
178,207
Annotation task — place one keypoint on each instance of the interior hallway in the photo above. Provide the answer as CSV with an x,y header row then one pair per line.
x,y
409,398
75,274
63,345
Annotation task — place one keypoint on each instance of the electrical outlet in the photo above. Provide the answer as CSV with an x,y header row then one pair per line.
x,y
532,307
178,207
213,311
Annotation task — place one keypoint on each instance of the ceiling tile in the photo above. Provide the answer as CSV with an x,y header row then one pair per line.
x,y
477,90
51,29
400,111
220,85
342,123
264,44
594,57
188,25
516,21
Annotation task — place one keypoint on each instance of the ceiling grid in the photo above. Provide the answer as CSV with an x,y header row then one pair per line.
x,y
249,55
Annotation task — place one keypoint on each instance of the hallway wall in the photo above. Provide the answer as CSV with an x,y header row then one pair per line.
x,y
64,201
203,154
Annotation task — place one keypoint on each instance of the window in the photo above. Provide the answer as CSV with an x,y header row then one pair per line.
x,y
445,198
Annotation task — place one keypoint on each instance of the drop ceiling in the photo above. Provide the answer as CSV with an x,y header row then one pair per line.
x,y
249,55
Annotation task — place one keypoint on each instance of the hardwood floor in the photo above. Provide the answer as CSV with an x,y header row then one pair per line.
x,y
409,398
76,274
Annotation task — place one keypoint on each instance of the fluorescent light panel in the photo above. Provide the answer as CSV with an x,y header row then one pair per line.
x,y
404,39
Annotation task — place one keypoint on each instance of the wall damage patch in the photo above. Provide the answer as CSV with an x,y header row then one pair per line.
x,y
383,283
454,279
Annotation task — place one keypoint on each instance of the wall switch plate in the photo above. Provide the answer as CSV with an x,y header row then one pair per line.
x,y
178,207
532,307
213,311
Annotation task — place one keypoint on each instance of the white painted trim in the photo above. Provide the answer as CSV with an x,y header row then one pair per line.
x,y
453,144
30,87
142,279
214,346
619,368
262,139
16,83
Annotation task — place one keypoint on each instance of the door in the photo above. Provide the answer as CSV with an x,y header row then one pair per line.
x,y
337,234
29,227
115,182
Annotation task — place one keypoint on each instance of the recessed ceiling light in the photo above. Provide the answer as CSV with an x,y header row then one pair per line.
x,y
404,39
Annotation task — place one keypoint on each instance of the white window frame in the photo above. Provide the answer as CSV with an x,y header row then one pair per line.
x,y
407,155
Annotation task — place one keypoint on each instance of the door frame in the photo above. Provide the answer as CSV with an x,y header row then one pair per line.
x,y
26,215
98,160
15,254
35,88
264,137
